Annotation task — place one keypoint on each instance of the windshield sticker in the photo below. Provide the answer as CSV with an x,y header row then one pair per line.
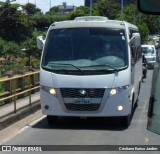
x,y
123,38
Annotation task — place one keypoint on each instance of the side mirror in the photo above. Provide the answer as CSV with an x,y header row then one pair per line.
x,y
135,40
149,6
40,42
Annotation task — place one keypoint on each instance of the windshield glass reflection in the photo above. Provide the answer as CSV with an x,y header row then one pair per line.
x,y
86,49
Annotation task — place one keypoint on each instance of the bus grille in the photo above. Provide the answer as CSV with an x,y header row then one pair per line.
x,y
82,107
75,93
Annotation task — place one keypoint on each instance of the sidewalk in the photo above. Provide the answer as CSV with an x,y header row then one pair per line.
x,y
7,115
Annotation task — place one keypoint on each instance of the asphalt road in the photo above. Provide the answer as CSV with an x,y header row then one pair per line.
x,y
93,131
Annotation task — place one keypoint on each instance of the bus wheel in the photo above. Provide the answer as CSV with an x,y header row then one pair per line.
x,y
51,119
136,104
126,120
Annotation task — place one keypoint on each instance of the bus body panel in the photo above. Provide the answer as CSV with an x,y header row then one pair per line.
x,y
108,108
108,103
90,81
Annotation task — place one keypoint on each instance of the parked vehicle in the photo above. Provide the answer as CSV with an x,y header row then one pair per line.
x,y
150,52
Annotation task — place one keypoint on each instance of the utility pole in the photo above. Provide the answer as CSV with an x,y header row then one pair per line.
x,y
121,9
50,4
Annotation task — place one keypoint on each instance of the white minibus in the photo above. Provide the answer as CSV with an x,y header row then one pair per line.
x,y
90,67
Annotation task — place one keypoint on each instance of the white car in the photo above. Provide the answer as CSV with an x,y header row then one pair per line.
x,y
150,52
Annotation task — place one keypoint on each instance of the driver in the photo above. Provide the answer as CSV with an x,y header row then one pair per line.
x,y
114,50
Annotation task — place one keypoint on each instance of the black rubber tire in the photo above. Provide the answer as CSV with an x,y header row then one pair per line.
x,y
126,120
136,104
51,119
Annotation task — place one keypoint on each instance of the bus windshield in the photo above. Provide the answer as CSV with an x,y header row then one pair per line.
x,y
91,50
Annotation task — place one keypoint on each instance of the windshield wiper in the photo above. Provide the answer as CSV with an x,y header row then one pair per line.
x,y
68,65
115,69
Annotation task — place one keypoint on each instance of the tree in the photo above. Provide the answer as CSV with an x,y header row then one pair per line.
x,y
131,14
84,11
29,47
152,22
9,49
144,32
2,44
53,10
80,11
11,25
30,9
108,8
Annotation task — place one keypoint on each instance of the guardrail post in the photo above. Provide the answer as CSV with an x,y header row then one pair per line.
x,y
33,83
14,92
8,87
29,78
21,84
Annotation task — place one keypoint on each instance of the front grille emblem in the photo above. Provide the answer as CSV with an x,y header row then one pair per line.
x,y
82,92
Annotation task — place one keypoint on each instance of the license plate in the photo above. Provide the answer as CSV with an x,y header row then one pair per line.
x,y
82,101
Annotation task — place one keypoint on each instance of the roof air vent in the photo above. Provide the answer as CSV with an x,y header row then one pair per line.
x,y
91,18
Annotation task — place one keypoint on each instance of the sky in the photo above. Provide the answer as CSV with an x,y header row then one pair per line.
x,y
44,5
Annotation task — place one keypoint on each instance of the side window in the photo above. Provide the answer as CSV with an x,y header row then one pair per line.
x,y
136,52
133,59
139,53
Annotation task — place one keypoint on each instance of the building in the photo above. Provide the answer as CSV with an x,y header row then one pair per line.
x,y
87,2
65,9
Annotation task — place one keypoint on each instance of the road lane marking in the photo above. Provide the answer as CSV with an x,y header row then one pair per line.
x,y
32,124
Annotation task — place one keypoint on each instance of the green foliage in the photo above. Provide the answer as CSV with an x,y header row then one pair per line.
x,y
152,22
11,49
53,10
42,22
29,46
18,36
131,14
80,11
11,67
144,32
84,11
108,8
30,9
11,26
2,44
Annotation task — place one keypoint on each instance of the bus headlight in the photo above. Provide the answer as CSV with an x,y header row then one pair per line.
x,y
117,90
49,90
113,92
120,108
52,91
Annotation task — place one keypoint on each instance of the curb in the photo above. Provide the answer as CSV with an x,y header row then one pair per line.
x,y
22,113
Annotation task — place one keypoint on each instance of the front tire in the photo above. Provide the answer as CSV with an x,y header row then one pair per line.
x,y
126,120
51,119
